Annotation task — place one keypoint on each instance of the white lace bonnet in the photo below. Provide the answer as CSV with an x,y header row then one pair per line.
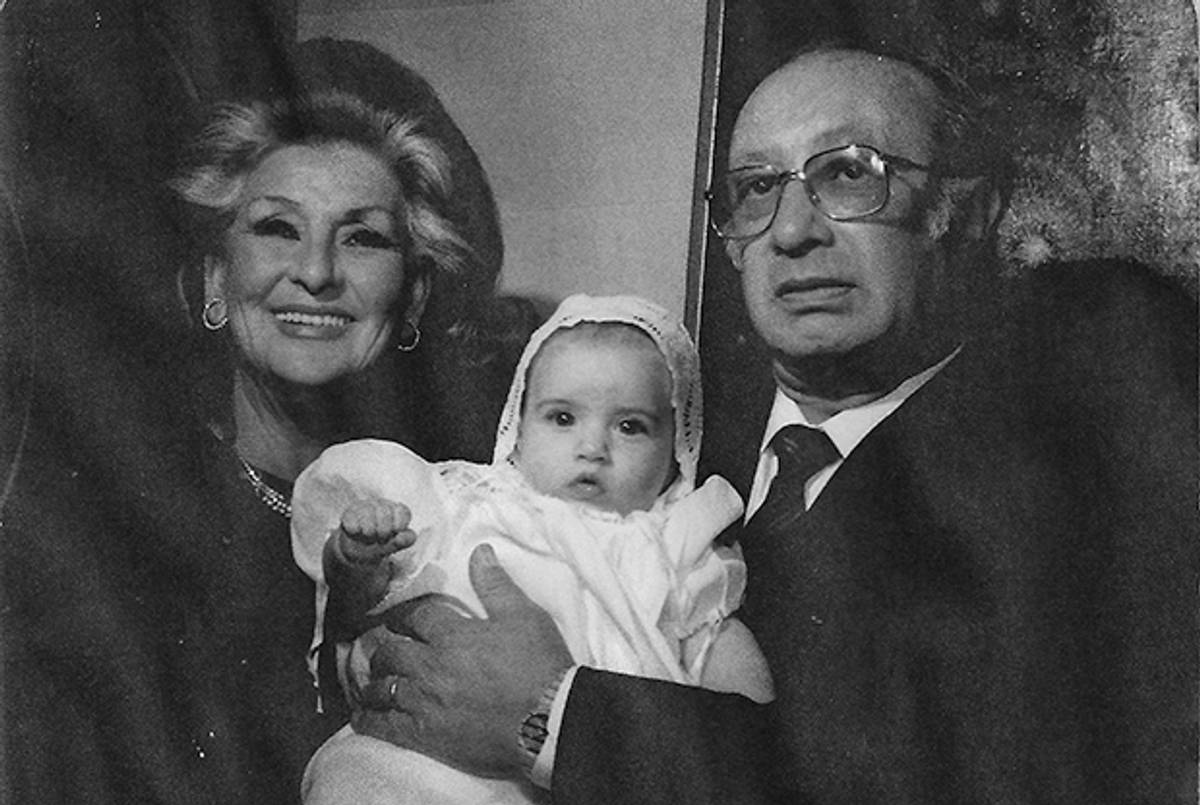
x,y
673,342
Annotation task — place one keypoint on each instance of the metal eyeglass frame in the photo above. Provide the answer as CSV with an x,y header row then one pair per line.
x,y
783,177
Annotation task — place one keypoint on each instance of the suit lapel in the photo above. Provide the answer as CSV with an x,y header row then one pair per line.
x,y
840,553
798,562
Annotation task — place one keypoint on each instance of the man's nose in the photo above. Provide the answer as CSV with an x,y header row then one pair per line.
x,y
798,224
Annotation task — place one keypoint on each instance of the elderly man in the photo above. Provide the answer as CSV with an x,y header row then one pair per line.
x,y
972,539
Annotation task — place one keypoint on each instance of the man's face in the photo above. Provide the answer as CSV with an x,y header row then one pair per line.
x,y
817,287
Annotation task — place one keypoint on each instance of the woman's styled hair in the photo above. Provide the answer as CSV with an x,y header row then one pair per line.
x,y
239,136
336,90
443,398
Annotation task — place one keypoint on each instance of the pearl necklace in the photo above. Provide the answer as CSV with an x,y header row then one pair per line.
x,y
276,501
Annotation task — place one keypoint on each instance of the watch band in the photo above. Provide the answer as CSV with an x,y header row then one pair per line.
x,y
534,728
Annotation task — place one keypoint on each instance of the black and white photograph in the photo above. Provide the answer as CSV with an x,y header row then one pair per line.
x,y
321,480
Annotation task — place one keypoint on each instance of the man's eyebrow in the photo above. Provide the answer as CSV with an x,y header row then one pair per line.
x,y
851,133
845,134
749,160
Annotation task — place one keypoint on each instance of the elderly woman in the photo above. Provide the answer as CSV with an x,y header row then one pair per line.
x,y
347,248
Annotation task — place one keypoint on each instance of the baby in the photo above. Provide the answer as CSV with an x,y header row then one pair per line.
x,y
591,506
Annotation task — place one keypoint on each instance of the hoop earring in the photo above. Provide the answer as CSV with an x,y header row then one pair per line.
x,y
410,336
218,304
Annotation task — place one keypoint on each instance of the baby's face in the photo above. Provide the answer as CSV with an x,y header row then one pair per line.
x,y
597,424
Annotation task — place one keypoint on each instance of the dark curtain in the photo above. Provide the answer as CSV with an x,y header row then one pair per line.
x,y
94,100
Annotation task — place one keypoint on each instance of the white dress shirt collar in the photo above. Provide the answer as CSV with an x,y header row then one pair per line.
x,y
846,429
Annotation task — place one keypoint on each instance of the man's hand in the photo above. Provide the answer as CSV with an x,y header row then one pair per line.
x,y
458,688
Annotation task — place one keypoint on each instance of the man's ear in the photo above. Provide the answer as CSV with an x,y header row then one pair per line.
x,y
966,211
734,250
983,211
214,277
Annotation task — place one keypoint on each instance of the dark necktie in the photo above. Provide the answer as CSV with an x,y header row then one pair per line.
x,y
802,452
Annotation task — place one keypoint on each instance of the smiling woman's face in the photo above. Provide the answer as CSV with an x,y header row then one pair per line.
x,y
313,265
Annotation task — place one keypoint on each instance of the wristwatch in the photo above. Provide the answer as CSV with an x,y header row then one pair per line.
x,y
531,736
535,727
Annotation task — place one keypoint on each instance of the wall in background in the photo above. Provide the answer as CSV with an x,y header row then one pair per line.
x,y
583,113
1096,99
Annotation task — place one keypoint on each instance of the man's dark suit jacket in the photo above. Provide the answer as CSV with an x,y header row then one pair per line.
x,y
993,600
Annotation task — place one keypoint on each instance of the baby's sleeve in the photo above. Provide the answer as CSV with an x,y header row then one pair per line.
x,y
353,471
710,580
348,472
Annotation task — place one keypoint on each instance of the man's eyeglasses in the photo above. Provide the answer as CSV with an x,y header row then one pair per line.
x,y
844,183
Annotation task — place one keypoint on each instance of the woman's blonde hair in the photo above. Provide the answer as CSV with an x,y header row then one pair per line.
x,y
239,136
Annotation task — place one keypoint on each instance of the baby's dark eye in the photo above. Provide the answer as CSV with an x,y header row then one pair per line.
x,y
633,427
564,419
274,228
368,239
